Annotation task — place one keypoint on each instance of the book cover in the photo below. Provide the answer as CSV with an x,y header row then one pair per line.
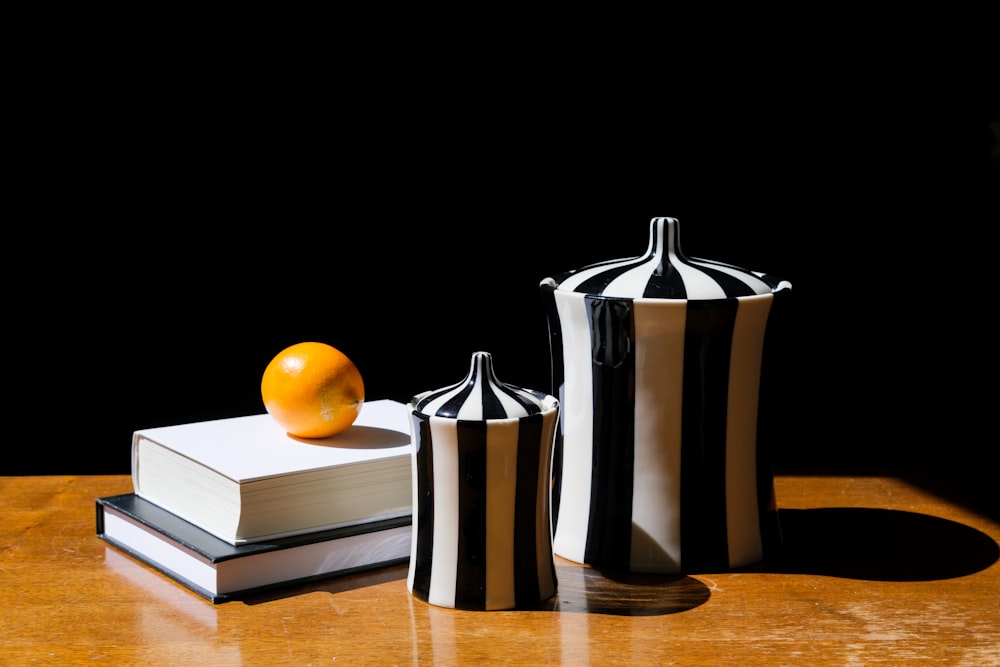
x,y
245,479
219,571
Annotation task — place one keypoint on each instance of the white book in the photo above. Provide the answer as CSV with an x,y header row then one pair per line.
x,y
244,479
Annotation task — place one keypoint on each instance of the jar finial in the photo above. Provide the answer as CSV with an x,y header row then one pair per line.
x,y
665,238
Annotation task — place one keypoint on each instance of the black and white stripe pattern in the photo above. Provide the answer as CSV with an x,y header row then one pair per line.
x,y
480,396
661,460
664,272
482,474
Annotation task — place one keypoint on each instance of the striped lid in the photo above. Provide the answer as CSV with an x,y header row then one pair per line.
x,y
481,396
665,272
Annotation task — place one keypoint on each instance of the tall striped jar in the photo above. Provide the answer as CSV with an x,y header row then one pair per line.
x,y
482,475
662,366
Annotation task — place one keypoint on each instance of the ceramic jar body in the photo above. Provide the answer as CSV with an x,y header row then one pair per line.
x,y
662,461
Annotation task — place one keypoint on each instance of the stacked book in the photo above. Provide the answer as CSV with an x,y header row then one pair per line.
x,y
232,507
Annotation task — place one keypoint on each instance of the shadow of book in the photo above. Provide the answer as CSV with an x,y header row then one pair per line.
x,y
336,584
878,545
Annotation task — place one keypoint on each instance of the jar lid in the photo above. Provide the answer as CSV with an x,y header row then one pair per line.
x,y
480,395
665,272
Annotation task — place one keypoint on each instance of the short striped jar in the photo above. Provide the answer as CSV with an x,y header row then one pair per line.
x,y
663,367
481,506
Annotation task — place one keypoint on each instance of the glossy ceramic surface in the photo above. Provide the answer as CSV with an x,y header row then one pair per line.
x,y
660,363
481,506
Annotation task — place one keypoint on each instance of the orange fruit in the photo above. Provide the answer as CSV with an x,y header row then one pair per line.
x,y
312,390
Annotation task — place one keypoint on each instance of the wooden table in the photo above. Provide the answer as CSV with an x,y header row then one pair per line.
x,y
878,571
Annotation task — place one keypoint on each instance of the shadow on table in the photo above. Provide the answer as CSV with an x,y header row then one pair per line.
x,y
878,545
580,589
855,543
586,589
334,584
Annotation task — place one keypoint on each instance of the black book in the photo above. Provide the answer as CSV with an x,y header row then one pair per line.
x,y
220,571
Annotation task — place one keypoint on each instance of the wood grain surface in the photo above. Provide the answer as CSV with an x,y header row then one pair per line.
x,y
876,571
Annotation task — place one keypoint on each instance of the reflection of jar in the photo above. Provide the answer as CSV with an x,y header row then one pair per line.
x,y
660,363
481,480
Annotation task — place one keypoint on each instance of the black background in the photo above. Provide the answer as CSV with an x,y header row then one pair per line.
x,y
174,233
